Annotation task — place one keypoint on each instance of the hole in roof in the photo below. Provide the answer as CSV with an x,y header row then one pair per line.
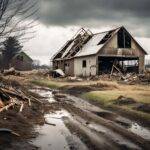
x,y
106,38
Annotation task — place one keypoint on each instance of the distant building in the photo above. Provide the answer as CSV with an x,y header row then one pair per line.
x,y
22,62
89,54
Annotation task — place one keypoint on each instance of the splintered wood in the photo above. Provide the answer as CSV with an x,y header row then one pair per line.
x,y
9,98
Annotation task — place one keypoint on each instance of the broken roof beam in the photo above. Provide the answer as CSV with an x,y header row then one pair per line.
x,y
59,54
75,49
82,31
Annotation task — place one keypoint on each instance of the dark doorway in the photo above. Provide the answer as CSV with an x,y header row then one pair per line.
x,y
105,64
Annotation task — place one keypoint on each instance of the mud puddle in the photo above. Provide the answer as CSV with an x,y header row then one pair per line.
x,y
54,134
126,123
139,130
46,93
114,136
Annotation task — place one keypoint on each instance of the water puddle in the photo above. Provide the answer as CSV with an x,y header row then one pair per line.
x,y
137,129
54,135
122,121
114,136
45,93
134,127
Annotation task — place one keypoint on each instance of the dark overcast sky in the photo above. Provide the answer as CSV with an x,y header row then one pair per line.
x,y
60,19
133,14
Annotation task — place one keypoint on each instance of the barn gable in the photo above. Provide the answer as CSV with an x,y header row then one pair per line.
x,y
122,45
22,62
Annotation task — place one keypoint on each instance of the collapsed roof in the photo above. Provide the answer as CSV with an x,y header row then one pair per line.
x,y
84,43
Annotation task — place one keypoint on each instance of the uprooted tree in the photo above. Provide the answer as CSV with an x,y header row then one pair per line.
x,y
11,48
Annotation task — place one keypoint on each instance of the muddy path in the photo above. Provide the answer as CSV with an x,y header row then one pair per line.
x,y
80,125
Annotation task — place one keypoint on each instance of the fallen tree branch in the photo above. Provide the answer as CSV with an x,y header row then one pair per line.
x,y
7,107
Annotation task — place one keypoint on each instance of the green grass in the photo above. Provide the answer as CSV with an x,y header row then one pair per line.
x,y
108,96
103,97
106,99
46,83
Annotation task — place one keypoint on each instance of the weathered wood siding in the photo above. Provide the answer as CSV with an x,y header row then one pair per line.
x,y
65,65
111,49
90,68
69,67
21,65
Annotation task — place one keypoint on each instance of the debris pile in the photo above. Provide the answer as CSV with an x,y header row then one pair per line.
x,y
12,98
11,71
58,73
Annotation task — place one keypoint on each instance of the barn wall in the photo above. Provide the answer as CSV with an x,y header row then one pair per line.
x,y
58,65
109,48
21,65
69,67
112,43
141,56
90,66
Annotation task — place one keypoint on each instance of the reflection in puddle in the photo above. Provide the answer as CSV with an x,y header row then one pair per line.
x,y
52,137
57,137
137,129
45,93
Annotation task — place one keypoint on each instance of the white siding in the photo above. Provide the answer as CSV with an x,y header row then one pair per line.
x,y
90,66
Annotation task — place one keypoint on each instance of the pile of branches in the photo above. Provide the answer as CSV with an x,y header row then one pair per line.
x,y
11,98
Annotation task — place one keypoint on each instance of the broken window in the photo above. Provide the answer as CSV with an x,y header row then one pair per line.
x,y
127,40
84,64
124,39
107,36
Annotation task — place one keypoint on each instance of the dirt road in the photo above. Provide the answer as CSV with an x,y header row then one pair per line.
x,y
79,125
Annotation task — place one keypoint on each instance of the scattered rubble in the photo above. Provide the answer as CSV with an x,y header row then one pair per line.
x,y
74,79
58,73
11,71
11,98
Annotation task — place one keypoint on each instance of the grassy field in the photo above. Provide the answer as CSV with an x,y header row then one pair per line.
x,y
110,90
105,93
108,96
57,83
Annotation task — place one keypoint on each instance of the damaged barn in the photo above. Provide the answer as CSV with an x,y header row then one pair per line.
x,y
88,54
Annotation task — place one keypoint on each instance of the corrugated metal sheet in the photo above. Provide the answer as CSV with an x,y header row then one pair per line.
x,y
92,47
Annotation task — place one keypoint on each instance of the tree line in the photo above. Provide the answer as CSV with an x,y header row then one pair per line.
x,y
17,22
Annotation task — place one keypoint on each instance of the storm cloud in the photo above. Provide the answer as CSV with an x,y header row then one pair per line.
x,y
134,14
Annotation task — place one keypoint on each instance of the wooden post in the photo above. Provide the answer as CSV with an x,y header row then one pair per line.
x,y
141,64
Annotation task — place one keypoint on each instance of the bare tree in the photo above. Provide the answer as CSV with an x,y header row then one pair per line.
x,y
17,18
